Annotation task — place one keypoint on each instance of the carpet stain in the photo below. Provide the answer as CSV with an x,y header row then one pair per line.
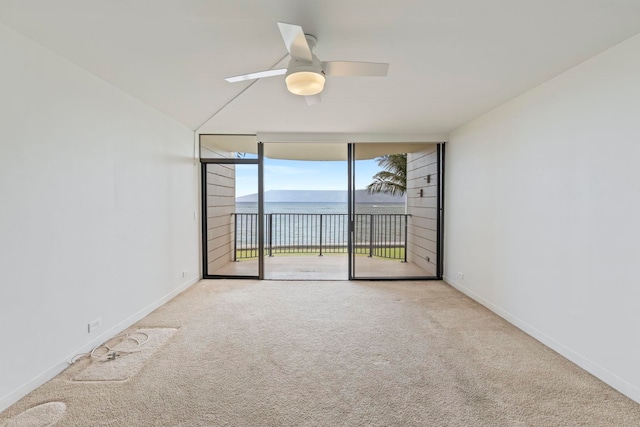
x,y
128,364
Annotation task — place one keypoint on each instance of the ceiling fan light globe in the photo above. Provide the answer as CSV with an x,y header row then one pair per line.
x,y
305,83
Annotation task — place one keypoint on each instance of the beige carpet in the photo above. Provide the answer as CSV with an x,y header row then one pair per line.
x,y
251,353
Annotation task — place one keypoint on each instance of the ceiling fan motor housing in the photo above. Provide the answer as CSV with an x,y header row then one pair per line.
x,y
304,77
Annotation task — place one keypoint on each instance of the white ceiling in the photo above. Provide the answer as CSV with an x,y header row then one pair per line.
x,y
451,60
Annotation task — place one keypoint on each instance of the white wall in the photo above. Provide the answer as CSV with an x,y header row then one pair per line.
x,y
97,201
543,213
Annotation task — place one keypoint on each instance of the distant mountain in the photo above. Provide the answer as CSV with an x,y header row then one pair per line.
x,y
320,196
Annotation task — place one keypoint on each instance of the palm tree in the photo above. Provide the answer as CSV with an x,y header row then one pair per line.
x,y
393,179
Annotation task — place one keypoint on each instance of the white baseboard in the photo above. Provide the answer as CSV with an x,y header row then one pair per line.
x,y
17,394
596,370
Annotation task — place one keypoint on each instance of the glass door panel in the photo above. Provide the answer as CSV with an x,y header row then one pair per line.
x,y
394,211
305,211
232,230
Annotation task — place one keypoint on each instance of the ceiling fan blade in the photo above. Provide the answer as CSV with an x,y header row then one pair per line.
x,y
313,99
295,41
257,75
350,68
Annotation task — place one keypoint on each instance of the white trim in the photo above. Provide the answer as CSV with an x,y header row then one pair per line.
x,y
596,370
349,137
17,394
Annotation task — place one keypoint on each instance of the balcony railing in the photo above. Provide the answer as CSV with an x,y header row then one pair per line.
x,y
375,235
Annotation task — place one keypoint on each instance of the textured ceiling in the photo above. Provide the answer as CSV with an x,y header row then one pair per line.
x,y
451,60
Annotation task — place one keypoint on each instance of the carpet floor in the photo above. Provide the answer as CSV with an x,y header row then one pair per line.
x,y
270,353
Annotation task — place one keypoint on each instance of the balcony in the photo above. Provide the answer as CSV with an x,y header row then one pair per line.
x,y
307,246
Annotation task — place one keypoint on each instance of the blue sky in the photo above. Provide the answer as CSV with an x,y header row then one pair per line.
x,y
302,175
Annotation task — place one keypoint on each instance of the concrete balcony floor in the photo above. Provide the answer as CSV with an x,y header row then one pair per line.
x,y
327,267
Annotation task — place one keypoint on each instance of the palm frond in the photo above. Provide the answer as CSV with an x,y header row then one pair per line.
x,y
393,179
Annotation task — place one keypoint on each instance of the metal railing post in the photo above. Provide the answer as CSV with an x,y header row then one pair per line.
x,y
320,240
235,237
406,226
371,236
270,219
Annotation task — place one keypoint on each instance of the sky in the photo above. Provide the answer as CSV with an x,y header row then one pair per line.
x,y
302,175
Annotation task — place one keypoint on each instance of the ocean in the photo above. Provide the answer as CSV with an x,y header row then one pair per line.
x,y
320,208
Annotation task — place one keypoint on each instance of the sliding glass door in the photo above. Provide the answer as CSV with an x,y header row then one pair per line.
x,y
232,233
395,211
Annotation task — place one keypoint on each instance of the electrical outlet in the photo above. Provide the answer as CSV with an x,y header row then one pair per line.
x,y
461,276
184,273
92,326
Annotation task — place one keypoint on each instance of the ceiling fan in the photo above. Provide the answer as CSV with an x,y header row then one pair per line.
x,y
305,74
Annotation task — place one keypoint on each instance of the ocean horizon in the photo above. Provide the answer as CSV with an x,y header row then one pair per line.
x,y
320,207
322,196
